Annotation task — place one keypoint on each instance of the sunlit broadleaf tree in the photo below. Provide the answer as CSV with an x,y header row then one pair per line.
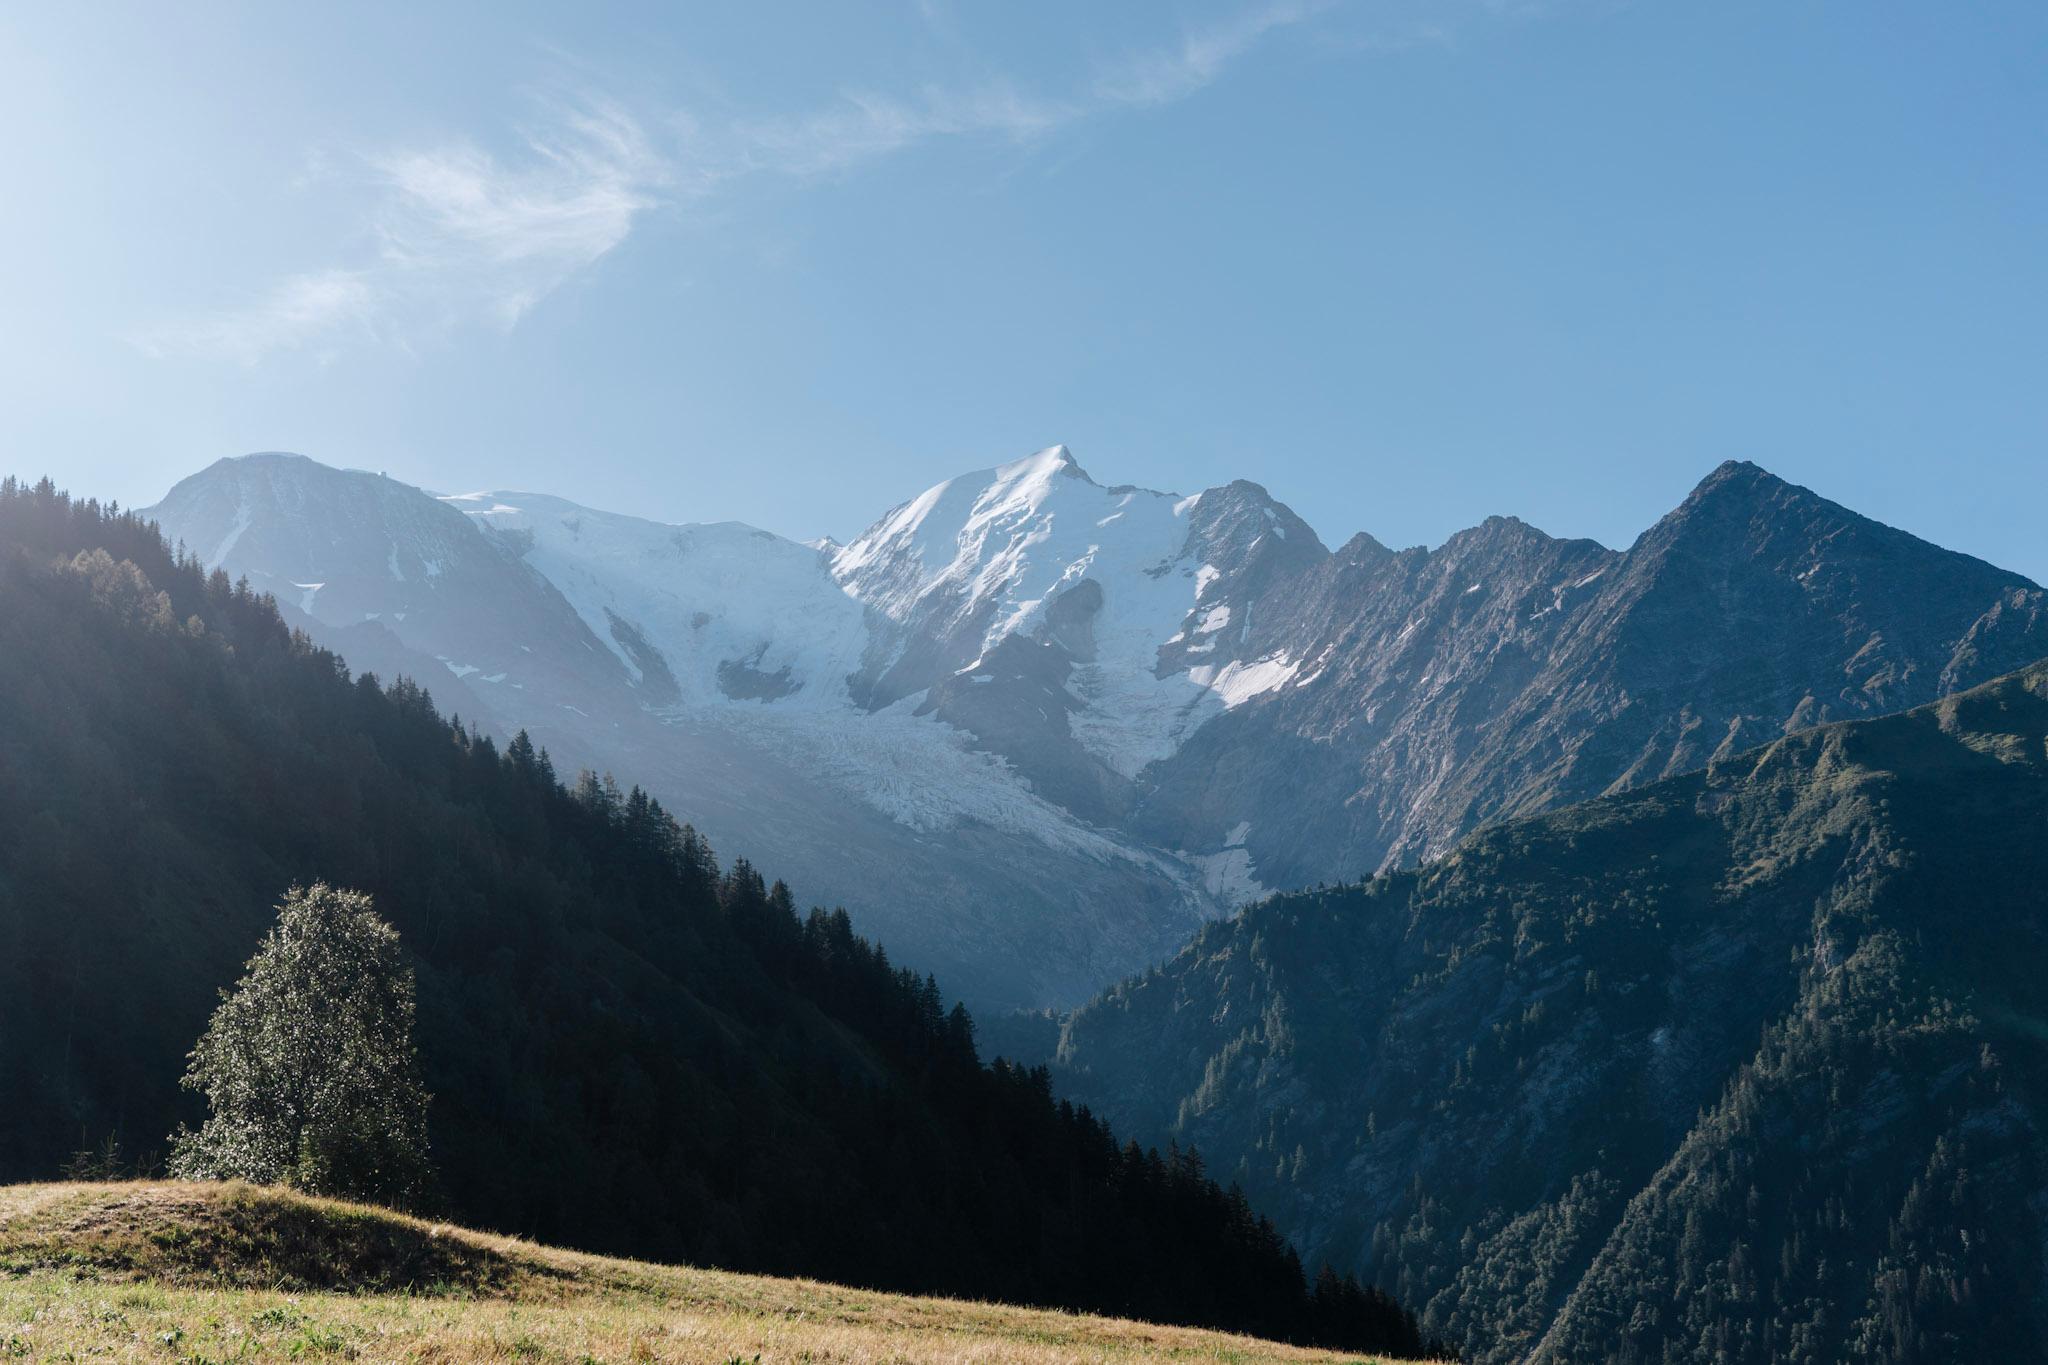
x,y
308,1065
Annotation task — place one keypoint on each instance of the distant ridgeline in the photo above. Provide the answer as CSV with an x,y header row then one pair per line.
x,y
630,1050
1749,1065
1033,731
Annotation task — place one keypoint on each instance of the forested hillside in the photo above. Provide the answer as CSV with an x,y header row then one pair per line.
x,y
1746,1066
631,1050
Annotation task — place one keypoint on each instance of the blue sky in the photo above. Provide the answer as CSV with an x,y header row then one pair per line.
x,y
1405,263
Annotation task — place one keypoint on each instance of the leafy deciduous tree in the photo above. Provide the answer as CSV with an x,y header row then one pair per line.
x,y
308,1065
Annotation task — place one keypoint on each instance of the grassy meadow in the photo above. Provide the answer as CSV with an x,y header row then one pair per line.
x,y
192,1273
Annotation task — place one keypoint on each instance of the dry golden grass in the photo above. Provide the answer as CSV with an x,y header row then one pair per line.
x,y
165,1271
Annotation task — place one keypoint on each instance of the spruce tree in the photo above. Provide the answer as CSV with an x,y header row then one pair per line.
x,y
308,1065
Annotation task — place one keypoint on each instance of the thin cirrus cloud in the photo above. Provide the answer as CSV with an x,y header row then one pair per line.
x,y
863,126
461,235
466,237
293,311
459,222
1175,73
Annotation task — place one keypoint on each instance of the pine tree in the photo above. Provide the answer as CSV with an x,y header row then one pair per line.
x,y
308,1065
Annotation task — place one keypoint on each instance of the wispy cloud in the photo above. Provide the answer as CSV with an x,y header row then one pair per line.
x,y
503,236
864,125
322,304
461,235
1174,73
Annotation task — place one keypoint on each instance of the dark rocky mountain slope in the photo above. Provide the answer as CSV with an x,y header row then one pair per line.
x,y
1508,672
1746,1065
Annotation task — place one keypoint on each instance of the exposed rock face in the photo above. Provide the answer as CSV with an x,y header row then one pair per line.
x,y
1034,730
1508,672
1743,1066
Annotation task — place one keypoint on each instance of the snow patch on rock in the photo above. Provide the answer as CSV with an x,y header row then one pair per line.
x,y
1238,681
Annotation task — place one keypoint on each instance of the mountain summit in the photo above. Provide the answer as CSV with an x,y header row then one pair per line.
x,y
1508,672
1034,729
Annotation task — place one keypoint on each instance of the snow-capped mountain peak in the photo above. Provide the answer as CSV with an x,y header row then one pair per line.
x,y
1144,599
962,537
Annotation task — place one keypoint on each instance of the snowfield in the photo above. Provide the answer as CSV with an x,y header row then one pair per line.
x,y
767,637
702,595
982,557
